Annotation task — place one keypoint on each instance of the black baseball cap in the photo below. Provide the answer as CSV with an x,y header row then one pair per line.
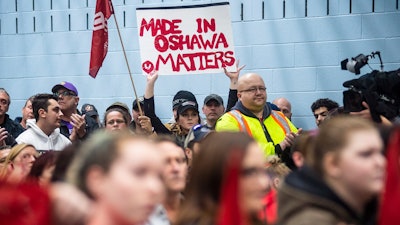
x,y
214,97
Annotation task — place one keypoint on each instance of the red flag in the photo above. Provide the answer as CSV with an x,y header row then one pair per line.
x,y
104,9
390,204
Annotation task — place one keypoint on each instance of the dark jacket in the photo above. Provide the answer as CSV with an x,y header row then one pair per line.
x,y
159,127
91,125
13,128
18,119
305,199
149,110
232,99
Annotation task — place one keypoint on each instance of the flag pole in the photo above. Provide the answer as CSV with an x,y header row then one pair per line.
x,y
126,60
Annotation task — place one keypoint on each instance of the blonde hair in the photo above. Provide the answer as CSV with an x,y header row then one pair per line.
x,y
276,168
14,152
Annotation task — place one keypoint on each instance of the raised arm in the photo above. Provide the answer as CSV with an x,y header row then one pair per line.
x,y
151,80
233,77
149,107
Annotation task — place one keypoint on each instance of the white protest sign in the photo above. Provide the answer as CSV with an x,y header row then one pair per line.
x,y
186,39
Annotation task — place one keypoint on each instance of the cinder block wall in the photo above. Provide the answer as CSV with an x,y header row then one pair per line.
x,y
296,45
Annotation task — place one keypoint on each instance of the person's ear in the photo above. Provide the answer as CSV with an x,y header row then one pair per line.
x,y
330,165
95,181
298,159
76,100
42,113
10,168
276,181
189,153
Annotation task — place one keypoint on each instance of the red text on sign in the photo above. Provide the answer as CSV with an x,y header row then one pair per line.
x,y
160,26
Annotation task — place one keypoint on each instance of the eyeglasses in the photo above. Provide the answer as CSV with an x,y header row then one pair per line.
x,y
253,172
254,90
64,93
111,122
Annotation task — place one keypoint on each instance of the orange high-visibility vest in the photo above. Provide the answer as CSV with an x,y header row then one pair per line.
x,y
267,133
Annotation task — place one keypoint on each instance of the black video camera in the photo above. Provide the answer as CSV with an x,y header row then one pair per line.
x,y
379,89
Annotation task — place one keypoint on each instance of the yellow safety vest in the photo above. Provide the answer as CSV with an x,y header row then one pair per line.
x,y
267,133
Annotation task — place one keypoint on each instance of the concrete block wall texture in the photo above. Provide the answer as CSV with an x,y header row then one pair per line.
x,y
296,45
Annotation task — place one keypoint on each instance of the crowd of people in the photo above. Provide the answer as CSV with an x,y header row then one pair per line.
x,y
244,163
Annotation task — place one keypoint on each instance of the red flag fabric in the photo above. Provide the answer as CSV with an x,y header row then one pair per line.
x,y
104,10
390,205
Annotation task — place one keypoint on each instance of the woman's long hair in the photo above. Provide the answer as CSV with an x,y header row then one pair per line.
x,y
14,152
215,171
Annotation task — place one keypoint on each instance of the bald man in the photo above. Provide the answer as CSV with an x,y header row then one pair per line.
x,y
271,129
285,106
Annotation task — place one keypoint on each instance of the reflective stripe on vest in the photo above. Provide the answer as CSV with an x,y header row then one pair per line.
x,y
243,126
280,119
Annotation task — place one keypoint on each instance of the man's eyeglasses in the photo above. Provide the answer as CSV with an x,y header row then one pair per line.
x,y
64,93
254,90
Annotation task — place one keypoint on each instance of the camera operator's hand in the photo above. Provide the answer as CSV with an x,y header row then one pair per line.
x,y
366,113
385,121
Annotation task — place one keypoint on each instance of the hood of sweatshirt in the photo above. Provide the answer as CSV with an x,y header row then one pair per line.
x,y
303,190
239,106
31,124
